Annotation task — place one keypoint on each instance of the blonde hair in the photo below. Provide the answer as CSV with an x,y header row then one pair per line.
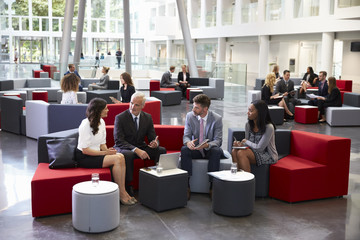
x,y
270,81
106,69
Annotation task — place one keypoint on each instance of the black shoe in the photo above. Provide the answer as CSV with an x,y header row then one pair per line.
x,y
287,116
130,190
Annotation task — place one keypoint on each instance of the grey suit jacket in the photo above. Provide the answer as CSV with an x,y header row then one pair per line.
x,y
166,79
281,87
213,129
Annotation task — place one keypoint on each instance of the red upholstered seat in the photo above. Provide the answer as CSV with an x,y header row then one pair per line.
x,y
37,73
317,167
170,137
50,69
51,189
344,85
154,85
40,95
306,114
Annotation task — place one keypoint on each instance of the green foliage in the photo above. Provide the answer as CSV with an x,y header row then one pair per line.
x,y
21,8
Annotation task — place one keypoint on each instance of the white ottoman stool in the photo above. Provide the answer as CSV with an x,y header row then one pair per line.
x,y
95,209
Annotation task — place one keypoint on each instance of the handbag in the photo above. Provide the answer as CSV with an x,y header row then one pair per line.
x,y
61,152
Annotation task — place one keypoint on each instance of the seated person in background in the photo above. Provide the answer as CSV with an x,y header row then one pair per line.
x,y
92,151
201,124
270,99
127,89
259,137
310,79
276,72
69,85
332,100
285,86
72,70
322,88
183,78
104,80
131,128
166,79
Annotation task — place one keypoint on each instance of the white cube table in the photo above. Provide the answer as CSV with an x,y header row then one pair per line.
x,y
95,209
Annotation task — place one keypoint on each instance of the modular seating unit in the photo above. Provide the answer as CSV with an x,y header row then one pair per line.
x,y
317,167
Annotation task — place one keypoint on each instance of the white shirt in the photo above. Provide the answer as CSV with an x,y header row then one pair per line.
x,y
69,97
87,139
184,76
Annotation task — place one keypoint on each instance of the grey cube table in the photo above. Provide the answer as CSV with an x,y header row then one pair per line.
x,y
104,94
276,114
164,191
233,195
168,97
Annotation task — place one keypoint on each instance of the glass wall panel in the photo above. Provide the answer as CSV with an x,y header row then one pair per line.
x,y
195,13
21,7
94,26
55,23
40,8
306,8
25,24
273,9
97,8
15,23
211,13
102,26
45,24
348,3
116,9
228,12
35,24
4,23
249,11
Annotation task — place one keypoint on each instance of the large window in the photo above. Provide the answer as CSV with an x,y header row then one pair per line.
x,y
273,9
348,3
306,8
97,8
249,11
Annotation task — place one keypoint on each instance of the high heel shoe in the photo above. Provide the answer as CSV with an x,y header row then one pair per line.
x,y
127,203
134,200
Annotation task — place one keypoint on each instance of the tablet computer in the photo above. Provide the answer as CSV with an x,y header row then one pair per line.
x,y
242,147
202,143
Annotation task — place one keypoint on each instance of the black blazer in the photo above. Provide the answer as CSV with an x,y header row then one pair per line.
x,y
126,94
311,79
334,98
125,135
266,94
181,76
324,91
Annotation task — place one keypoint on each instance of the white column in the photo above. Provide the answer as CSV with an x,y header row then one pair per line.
x,y
189,46
89,39
203,14
263,56
169,48
221,51
219,12
66,36
79,33
327,52
127,37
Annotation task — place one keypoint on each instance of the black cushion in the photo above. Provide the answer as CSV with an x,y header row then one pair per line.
x,y
61,152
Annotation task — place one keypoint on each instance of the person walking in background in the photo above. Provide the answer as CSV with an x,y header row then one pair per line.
x,y
72,70
118,57
92,151
104,81
97,58
69,85
16,56
259,138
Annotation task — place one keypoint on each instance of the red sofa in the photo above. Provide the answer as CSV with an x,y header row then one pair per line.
x,y
344,86
317,167
155,86
51,189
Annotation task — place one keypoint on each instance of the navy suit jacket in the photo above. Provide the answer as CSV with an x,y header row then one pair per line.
x,y
323,91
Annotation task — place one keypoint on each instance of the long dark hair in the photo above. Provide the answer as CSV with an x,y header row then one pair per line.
x,y
263,116
93,113
311,70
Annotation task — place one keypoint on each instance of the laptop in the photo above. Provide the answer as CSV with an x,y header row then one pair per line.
x,y
168,161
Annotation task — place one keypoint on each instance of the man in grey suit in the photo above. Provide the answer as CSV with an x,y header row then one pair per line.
x,y
130,129
285,86
166,79
201,124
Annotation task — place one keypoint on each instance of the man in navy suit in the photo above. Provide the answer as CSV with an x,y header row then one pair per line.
x,y
72,70
130,129
201,124
323,88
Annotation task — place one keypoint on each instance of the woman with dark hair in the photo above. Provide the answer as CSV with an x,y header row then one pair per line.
x,y
310,79
92,151
127,89
259,138
183,79
332,100
69,85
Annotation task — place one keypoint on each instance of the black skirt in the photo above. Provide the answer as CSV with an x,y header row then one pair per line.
x,y
87,161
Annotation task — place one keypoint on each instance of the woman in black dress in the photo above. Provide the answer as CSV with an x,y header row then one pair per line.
x,y
310,79
270,99
183,78
332,100
127,89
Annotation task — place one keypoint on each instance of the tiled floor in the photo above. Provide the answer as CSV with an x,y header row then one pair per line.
x,y
335,218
